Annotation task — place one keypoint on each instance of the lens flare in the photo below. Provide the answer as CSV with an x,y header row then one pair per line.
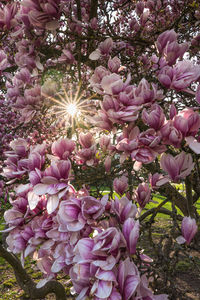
x,y
72,109
73,105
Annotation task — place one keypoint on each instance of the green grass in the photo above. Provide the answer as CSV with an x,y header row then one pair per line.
x,y
159,199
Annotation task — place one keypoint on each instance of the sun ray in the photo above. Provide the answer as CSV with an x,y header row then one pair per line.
x,y
73,105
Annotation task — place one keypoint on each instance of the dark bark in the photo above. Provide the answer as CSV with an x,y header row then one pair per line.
x,y
161,210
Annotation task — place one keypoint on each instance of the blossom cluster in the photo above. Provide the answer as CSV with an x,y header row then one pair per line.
x,y
91,239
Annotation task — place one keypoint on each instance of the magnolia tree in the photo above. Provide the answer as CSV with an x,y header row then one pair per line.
x,y
99,111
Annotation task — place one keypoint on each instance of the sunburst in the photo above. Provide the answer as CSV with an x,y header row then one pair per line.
x,y
73,106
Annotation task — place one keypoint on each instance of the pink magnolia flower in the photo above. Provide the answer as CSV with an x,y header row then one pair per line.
x,y
107,241
16,166
146,93
187,121
112,84
193,144
105,143
19,146
63,257
128,278
54,183
189,229
177,167
95,81
43,14
88,156
70,216
4,64
86,140
120,185
31,97
102,287
22,77
131,234
180,76
148,147
93,208
104,48
18,239
25,57
117,111
171,135
173,51
15,215
143,194
123,208
114,64
165,38
107,164
63,148
155,118
168,46
7,16
157,180
172,112
66,57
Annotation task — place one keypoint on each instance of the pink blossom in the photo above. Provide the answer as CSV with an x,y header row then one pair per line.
x,y
103,49
171,135
143,194
189,229
7,16
180,76
95,81
107,164
15,215
112,84
172,112
155,118
131,234
173,51
168,46
18,239
4,64
43,14
193,144
106,46
120,185
70,216
107,241
164,38
157,180
66,56
123,208
177,167
86,139
128,278
92,208
114,64
187,121
22,77
62,148
146,93
105,143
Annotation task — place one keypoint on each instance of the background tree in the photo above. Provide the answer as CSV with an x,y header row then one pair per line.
x,y
98,96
